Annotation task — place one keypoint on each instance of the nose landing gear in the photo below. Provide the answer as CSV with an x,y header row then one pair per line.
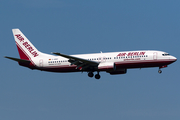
x,y
159,71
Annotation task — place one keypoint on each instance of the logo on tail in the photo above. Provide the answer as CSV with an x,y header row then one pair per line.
x,y
27,45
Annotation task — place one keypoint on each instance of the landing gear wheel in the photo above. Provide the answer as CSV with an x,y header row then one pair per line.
x,y
90,74
97,76
159,71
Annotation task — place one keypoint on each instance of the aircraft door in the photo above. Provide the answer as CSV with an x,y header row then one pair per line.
x,y
41,63
155,56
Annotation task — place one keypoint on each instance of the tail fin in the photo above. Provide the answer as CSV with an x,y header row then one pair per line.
x,y
26,49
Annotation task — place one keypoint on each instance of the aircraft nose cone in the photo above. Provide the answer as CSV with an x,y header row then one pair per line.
x,y
174,58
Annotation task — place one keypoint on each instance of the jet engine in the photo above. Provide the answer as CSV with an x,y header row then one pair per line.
x,y
107,66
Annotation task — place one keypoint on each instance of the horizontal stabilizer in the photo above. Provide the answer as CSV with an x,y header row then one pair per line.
x,y
18,60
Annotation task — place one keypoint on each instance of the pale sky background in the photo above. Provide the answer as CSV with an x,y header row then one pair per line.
x,y
78,27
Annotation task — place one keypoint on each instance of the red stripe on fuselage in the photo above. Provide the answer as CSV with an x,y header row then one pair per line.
x,y
64,68
143,63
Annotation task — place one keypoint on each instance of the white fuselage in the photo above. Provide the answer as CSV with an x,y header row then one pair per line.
x,y
127,59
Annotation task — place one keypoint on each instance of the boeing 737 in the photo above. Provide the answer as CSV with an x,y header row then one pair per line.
x,y
111,62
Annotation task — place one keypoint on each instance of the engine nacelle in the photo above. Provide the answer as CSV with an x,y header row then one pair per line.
x,y
107,66
110,67
119,71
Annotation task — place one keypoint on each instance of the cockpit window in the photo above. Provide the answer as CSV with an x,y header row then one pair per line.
x,y
165,54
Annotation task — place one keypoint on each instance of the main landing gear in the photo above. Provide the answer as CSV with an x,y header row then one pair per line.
x,y
91,74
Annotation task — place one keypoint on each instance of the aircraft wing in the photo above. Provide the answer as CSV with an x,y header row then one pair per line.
x,y
83,63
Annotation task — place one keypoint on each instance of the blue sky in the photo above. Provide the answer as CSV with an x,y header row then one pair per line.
x,y
75,27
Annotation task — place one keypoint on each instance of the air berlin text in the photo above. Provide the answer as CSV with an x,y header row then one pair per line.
x,y
26,45
131,54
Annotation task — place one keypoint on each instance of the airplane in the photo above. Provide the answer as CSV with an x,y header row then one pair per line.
x,y
111,62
